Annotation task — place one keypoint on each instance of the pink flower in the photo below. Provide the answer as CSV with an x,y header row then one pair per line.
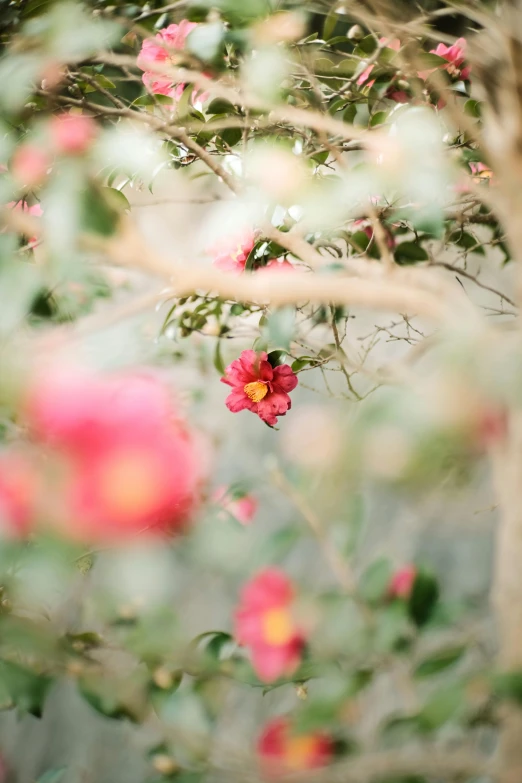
x,y
241,506
162,49
281,751
264,623
402,582
275,265
130,463
232,255
18,484
30,165
259,387
366,227
481,172
72,134
455,56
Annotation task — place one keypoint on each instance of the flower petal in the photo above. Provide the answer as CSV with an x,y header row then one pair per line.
x,y
285,379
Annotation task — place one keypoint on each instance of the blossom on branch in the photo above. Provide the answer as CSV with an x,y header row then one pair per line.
x,y
258,387
232,255
130,464
264,622
281,751
241,506
72,134
402,582
162,49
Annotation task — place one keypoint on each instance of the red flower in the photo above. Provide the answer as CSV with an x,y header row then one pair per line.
x,y
455,55
130,464
275,265
30,165
264,623
259,387
72,134
242,507
18,484
281,751
161,49
232,255
402,582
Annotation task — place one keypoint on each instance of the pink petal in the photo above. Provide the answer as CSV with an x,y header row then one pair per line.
x,y
285,378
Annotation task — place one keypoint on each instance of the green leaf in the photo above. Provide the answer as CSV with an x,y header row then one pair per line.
x,y
275,547
329,25
281,324
276,358
219,364
392,627
428,60
378,118
439,661
410,253
98,216
441,707
473,108
423,598
298,364
116,198
375,581
508,685
26,689
221,106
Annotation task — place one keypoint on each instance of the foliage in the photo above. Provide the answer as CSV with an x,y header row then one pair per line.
x,y
335,163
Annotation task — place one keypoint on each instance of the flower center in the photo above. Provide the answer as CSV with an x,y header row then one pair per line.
x,y
278,628
130,484
299,751
256,390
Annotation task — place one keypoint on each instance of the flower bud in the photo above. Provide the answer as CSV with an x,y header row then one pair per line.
x,y
355,33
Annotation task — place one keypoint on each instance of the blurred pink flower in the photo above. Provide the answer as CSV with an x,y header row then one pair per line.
x,y
131,464
29,165
18,486
162,49
276,265
243,507
264,623
72,134
259,387
231,255
282,751
402,582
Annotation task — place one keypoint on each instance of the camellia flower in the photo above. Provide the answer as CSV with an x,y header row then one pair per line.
x,y
281,751
242,506
161,49
72,134
259,387
366,227
481,172
275,265
455,56
232,255
402,582
30,165
130,464
264,623
17,495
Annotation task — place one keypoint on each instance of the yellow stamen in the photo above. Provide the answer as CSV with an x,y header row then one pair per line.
x,y
256,390
278,627
299,751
